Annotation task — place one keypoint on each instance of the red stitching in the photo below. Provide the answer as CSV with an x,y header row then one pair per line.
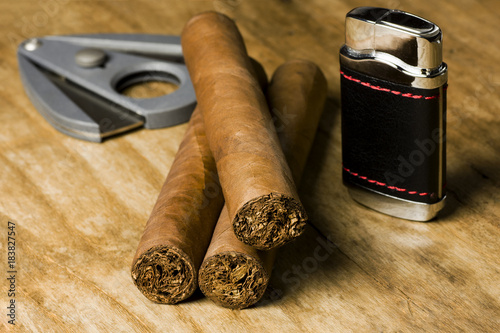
x,y
385,185
395,92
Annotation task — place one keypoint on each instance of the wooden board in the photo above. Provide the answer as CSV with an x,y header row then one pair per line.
x,y
79,208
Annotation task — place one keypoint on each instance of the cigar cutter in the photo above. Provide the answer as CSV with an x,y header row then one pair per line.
x,y
393,96
76,82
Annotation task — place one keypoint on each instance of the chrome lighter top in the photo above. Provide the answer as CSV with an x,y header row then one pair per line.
x,y
377,38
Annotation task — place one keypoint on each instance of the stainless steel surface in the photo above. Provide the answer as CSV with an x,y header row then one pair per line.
x,y
405,209
76,82
71,110
90,57
32,44
161,46
394,45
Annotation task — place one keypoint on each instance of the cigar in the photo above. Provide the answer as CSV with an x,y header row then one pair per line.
x,y
233,274
180,226
261,197
178,231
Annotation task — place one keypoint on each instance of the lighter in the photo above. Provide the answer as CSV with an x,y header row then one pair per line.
x,y
393,87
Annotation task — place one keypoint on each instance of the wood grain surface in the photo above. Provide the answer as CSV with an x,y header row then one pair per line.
x,y
79,208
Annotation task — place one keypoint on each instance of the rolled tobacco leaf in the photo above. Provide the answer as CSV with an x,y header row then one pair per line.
x,y
259,191
233,274
180,226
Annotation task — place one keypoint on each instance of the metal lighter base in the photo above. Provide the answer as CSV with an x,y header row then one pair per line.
x,y
393,206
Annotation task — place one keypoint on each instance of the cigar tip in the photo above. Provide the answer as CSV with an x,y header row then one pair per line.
x,y
269,221
208,15
164,274
304,67
233,280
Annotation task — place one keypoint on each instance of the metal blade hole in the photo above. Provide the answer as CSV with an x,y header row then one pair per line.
x,y
147,85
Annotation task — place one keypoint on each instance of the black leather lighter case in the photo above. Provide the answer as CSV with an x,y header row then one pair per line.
x,y
393,90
